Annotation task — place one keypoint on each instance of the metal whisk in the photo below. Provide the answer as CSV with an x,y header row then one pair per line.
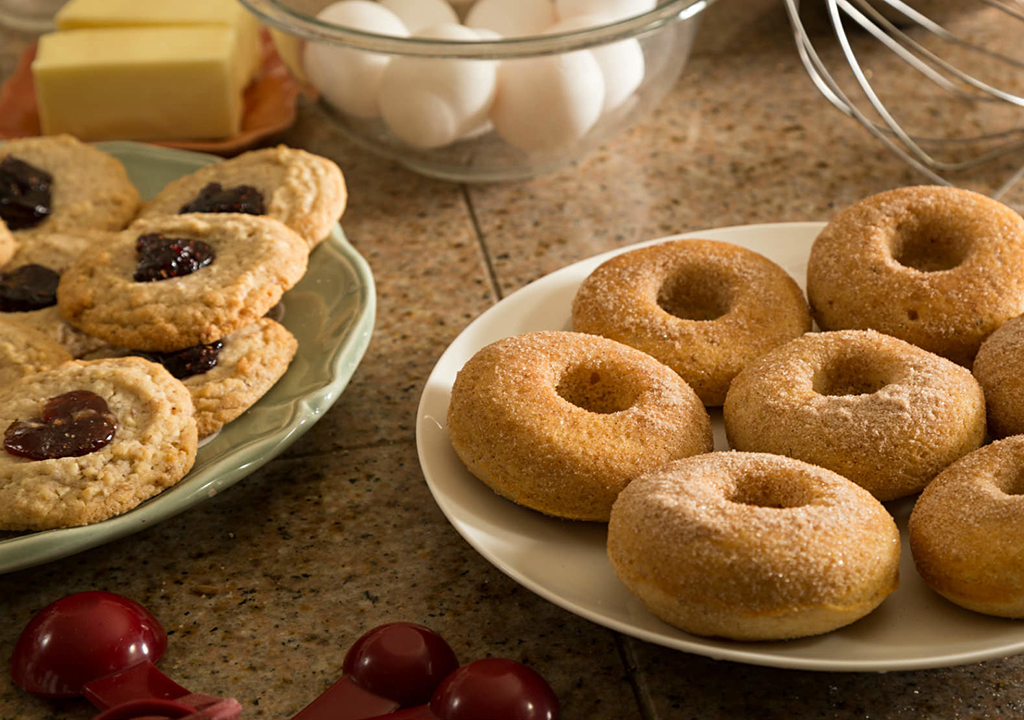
x,y
927,47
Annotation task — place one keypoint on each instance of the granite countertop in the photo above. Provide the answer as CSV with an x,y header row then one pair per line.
x,y
263,587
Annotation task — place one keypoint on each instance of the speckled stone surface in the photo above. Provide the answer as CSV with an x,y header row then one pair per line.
x,y
265,586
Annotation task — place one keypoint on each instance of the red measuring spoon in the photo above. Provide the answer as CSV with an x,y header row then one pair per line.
x,y
487,689
391,666
102,646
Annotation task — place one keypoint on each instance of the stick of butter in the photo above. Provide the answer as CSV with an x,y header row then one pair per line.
x,y
139,83
78,14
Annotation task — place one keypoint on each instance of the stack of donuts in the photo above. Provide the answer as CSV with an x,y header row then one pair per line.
x,y
785,535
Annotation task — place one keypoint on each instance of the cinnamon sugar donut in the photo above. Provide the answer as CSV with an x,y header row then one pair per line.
x,y
967,530
879,411
702,307
560,421
752,546
999,367
939,267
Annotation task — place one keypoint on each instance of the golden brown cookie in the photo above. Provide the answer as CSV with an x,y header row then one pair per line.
x,y
88,187
179,301
250,362
24,351
56,252
245,365
8,245
304,191
153,444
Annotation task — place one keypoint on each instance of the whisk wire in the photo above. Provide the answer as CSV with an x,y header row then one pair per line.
x,y
939,71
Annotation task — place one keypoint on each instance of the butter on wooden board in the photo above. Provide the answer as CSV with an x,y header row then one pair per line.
x,y
78,14
139,83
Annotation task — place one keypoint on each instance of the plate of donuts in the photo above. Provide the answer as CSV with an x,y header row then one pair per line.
x,y
566,562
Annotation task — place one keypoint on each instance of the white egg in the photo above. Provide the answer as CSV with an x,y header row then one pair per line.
x,y
613,10
419,14
548,102
485,126
512,18
348,79
622,63
432,102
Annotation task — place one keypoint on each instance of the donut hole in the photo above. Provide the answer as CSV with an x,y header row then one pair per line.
x,y
1014,483
769,492
691,295
598,389
929,245
856,374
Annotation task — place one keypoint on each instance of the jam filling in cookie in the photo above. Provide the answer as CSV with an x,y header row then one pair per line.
x,y
215,198
194,360
73,424
29,287
24,193
161,257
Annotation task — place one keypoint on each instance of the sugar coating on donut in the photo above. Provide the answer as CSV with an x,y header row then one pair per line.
x,y
560,421
879,411
939,267
702,307
999,367
751,546
967,530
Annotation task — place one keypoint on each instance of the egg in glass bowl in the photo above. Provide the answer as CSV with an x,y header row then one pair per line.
x,y
484,90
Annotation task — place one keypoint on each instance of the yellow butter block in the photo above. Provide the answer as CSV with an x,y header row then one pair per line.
x,y
138,83
78,14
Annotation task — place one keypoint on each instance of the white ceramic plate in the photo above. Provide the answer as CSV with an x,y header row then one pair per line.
x,y
331,312
565,562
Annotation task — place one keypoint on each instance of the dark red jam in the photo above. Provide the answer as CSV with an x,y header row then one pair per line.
x,y
215,198
195,360
161,258
24,193
73,424
30,287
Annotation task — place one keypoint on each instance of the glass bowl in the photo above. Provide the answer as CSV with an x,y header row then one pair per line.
x,y
531,124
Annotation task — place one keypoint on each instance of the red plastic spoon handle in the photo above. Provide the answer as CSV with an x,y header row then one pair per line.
x,y
139,682
421,712
345,700
192,709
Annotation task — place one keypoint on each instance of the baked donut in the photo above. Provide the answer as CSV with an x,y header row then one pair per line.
x,y
999,367
752,546
938,267
879,411
560,421
967,530
702,307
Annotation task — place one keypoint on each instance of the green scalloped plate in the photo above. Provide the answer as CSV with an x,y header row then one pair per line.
x,y
331,312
